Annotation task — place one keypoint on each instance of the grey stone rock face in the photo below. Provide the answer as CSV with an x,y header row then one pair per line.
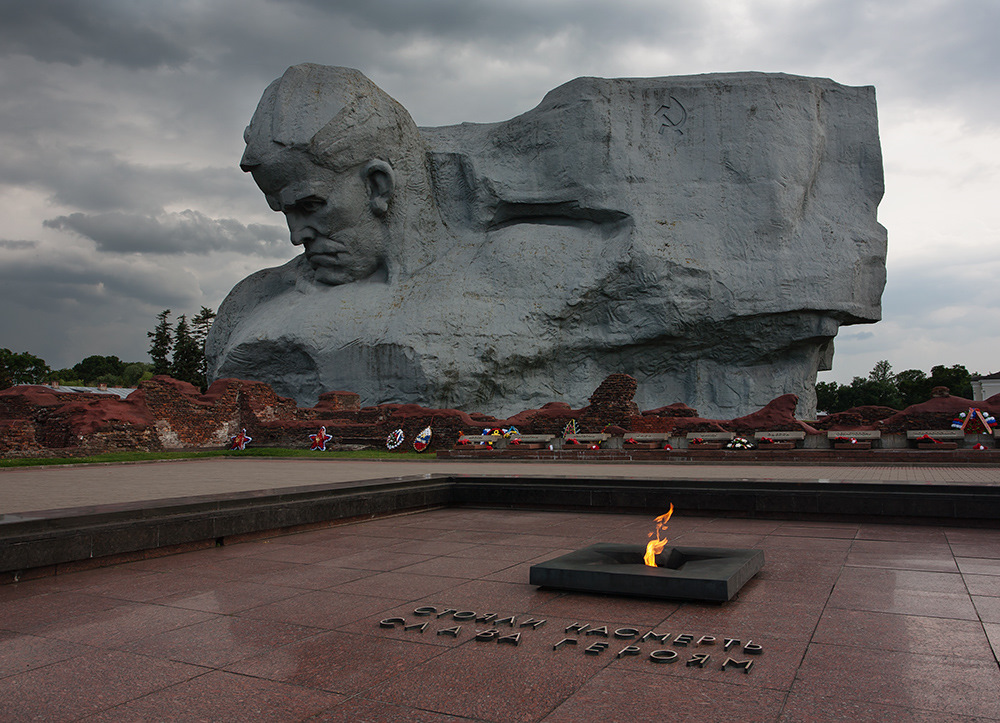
x,y
706,234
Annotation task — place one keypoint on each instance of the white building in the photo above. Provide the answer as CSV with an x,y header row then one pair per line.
x,y
985,387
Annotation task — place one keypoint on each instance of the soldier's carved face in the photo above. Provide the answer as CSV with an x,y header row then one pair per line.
x,y
329,214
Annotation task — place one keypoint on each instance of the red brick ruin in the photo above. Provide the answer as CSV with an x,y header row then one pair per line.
x,y
163,414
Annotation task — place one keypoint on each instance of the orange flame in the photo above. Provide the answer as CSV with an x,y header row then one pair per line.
x,y
655,547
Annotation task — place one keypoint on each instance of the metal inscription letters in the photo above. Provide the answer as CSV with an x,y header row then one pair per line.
x,y
659,654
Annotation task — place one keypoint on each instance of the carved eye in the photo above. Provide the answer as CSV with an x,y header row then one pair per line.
x,y
310,205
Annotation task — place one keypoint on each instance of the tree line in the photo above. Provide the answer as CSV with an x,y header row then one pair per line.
x,y
883,388
180,350
175,349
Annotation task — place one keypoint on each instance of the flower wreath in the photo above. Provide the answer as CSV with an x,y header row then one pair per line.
x,y
696,441
739,443
394,439
422,440
964,418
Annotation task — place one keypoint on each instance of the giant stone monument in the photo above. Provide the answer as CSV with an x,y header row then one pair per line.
x,y
706,234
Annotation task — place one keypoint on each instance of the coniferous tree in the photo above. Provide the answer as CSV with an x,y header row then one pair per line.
x,y
185,363
200,326
162,343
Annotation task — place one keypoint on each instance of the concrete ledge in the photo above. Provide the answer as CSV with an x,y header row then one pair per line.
x,y
55,537
880,502
897,456
52,540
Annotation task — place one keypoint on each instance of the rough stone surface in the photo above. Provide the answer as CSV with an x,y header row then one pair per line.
x,y
707,235
37,418
864,417
777,416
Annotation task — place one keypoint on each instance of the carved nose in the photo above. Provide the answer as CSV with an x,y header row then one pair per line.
x,y
302,234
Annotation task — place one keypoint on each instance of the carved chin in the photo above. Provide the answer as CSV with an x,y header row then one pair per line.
x,y
333,275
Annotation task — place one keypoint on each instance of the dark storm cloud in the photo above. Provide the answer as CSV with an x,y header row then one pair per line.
x,y
187,232
99,180
933,53
71,279
71,31
65,305
514,20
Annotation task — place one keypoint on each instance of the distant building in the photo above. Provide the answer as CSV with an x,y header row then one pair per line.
x,y
985,387
120,392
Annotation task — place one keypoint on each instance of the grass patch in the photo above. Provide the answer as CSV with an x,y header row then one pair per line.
x,y
201,454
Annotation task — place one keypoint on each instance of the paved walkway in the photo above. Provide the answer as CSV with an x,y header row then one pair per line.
x,y
46,488
854,622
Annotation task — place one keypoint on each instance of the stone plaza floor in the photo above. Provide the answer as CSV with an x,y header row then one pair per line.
x,y
858,622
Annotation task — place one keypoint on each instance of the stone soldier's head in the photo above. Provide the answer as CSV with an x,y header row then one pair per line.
x,y
335,154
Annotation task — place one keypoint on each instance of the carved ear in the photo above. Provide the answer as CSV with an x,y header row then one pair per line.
x,y
380,180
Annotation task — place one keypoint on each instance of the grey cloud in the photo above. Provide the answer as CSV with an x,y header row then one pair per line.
x,y
855,336
514,20
187,232
53,281
934,55
70,31
916,293
99,180
65,307
17,245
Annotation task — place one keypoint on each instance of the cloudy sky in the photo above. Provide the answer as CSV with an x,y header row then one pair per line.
x,y
121,129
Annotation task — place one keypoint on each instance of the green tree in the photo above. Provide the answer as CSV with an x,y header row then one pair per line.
x,y
878,389
882,372
828,397
134,373
200,326
956,378
22,368
67,376
161,344
881,388
187,356
98,367
914,387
